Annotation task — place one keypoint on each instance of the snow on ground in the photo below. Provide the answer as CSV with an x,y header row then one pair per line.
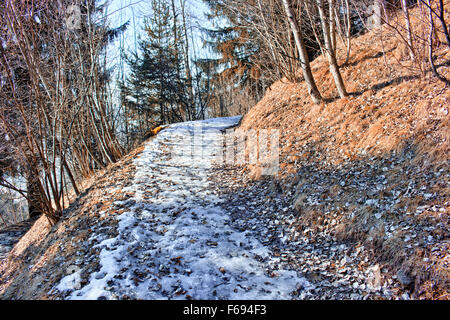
x,y
175,242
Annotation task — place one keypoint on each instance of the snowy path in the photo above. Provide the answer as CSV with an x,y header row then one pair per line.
x,y
175,242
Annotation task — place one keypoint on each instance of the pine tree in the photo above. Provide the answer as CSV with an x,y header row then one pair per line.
x,y
152,89
238,48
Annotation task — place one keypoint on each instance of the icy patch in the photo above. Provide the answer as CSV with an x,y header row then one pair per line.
x,y
175,243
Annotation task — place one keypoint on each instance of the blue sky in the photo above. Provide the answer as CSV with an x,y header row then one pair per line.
x,y
134,11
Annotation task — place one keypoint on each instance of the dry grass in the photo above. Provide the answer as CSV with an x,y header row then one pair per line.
x,y
389,106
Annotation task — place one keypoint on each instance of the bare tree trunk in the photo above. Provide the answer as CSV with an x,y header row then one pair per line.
x,y
344,27
348,30
71,177
331,22
304,60
332,61
430,47
187,64
33,194
408,30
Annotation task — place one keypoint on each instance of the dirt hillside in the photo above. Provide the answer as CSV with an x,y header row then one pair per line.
x,y
371,169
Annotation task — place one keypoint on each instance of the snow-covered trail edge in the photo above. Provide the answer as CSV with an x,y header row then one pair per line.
x,y
175,242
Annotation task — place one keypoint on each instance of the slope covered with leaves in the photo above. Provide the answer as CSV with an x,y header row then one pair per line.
x,y
371,169
46,253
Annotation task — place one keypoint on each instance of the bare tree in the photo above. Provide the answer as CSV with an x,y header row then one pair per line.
x,y
56,112
430,46
329,33
408,29
440,15
348,29
304,59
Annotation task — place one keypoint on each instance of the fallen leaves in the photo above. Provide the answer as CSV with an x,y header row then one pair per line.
x,y
177,260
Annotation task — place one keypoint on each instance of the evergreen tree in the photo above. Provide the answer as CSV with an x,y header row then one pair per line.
x,y
239,50
157,90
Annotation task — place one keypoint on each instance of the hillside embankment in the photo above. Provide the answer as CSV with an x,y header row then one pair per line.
x,y
371,169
